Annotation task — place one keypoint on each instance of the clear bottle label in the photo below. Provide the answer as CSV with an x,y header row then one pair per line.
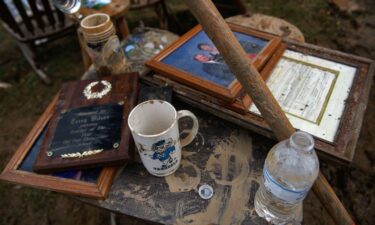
x,y
280,191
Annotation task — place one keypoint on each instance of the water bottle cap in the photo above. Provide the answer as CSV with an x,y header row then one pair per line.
x,y
206,191
302,140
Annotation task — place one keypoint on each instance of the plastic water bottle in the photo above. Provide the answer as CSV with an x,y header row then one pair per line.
x,y
290,170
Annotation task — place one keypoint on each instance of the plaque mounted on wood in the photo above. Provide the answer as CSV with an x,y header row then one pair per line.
x,y
88,127
92,183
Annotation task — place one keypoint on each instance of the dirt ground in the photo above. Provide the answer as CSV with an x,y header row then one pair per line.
x,y
321,22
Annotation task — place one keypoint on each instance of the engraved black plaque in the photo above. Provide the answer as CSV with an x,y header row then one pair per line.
x,y
96,127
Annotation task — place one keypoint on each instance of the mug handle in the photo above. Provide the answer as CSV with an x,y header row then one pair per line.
x,y
194,130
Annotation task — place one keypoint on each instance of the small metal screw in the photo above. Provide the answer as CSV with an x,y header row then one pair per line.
x,y
116,145
121,102
49,153
206,191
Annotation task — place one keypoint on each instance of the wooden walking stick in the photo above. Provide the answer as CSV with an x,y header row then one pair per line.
x,y
238,62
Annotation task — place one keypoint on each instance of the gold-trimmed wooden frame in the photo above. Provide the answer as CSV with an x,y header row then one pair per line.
x,y
344,143
229,94
12,173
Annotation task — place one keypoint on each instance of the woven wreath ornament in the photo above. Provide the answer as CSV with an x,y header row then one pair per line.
x,y
93,95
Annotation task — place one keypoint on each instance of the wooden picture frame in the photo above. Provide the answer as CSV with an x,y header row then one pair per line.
x,y
342,148
12,172
229,89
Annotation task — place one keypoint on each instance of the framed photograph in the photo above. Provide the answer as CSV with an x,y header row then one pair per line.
x,y
194,60
93,183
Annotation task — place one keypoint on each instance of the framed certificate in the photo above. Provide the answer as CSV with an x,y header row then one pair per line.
x,y
312,91
323,93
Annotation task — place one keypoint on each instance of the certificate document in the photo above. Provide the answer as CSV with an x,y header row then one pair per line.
x,y
302,89
312,92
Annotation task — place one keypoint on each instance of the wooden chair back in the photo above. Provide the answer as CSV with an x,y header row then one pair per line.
x,y
35,19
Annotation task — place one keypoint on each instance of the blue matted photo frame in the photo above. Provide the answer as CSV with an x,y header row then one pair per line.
x,y
194,60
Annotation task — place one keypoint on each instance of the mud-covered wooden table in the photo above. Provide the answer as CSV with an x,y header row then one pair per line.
x,y
223,155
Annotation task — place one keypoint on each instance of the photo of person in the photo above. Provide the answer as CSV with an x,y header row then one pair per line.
x,y
251,49
200,57
214,64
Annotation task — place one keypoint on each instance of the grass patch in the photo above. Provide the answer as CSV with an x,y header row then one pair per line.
x,y
316,19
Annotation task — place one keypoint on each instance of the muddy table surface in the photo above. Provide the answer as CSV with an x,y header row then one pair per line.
x,y
223,155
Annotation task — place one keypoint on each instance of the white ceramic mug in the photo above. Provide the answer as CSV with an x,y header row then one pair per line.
x,y
154,126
